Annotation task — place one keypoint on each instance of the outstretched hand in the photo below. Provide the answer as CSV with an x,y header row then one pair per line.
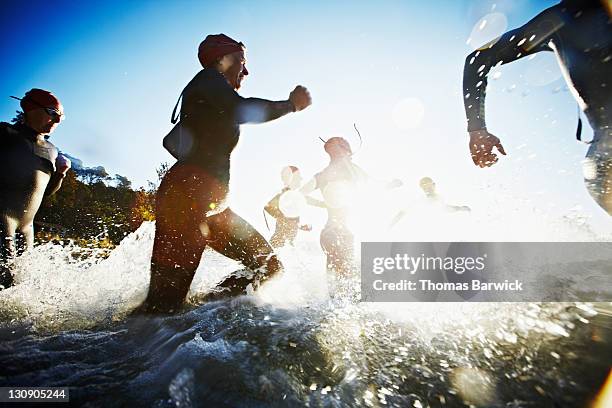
x,y
481,147
300,98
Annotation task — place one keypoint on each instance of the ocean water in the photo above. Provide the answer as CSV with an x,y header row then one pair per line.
x,y
66,323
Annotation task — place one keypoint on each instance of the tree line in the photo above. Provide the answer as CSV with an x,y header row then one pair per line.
x,y
95,209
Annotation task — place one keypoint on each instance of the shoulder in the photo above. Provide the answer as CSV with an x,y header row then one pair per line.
x,y
323,174
208,76
7,128
51,147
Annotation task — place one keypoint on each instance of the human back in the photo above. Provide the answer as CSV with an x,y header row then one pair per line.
x,y
585,62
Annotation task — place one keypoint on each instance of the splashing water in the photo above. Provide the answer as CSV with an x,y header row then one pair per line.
x,y
288,345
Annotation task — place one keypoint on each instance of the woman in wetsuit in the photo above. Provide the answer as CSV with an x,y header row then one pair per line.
x,y
191,212
287,225
338,183
579,32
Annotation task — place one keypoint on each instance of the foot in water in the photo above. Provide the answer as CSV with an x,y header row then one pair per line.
x,y
234,285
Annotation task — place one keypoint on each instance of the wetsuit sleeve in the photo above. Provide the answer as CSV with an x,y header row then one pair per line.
x,y
513,45
314,202
55,182
245,110
272,207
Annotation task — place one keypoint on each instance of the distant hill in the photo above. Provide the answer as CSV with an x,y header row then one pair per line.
x,y
96,174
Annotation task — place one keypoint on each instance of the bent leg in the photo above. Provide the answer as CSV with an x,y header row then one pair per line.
x,y
233,237
7,251
276,240
338,246
24,239
179,242
597,169
176,255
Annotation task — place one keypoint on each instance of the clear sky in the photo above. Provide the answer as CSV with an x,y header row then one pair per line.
x,y
392,67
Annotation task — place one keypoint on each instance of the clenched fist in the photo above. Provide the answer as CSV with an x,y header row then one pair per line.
x,y
300,98
62,164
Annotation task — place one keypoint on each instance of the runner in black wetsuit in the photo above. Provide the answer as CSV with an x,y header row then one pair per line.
x,y
287,227
580,34
191,212
32,169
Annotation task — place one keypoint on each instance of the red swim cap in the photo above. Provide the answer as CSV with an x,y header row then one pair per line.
x,y
215,46
39,98
340,142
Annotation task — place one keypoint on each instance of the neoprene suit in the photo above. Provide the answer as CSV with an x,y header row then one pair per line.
x,y
28,175
580,34
286,229
337,240
191,213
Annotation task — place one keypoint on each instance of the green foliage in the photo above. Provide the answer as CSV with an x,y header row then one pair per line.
x,y
94,212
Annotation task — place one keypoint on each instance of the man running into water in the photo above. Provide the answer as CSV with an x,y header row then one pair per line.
x,y
287,225
580,34
191,209
32,169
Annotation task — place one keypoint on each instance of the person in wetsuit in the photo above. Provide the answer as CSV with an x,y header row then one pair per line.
x,y
433,198
429,189
287,225
579,32
337,182
32,169
191,208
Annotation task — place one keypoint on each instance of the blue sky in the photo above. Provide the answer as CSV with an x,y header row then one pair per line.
x,y
119,67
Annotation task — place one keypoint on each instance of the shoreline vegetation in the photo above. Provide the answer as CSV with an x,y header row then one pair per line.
x,y
94,210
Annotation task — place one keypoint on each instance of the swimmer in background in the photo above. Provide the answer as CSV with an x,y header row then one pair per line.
x,y
284,208
334,181
338,183
433,198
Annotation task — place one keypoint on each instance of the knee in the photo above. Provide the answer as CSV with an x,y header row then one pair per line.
x,y
598,180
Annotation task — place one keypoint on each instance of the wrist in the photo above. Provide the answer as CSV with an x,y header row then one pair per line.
x,y
291,105
478,132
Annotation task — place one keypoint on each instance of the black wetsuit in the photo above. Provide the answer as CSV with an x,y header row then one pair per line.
x,y
580,34
337,240
191,212
286,229
28,174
